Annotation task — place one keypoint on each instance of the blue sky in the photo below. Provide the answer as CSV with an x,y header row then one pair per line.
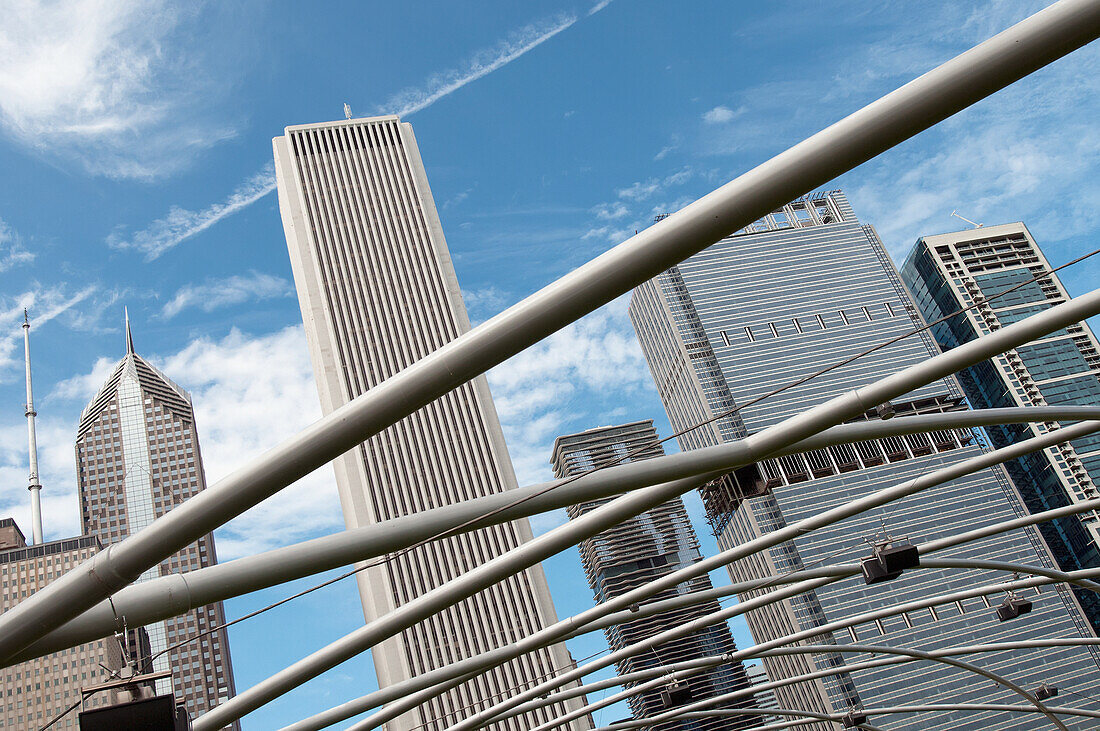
x,y
136,158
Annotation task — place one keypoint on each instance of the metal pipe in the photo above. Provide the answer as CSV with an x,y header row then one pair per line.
x,y
828,517
704,663
448,594
934,656
582,621
1027,46
784,434
928,708
755,650
645,645
175,594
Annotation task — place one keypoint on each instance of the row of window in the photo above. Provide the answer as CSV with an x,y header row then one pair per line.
x,y
809,323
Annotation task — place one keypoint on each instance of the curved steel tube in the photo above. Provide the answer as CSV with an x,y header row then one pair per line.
x,y
929,708
646,645
588,620
171,595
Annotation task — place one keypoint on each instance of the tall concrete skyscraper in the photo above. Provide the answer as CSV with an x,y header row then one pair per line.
x,y
807,286
35,692
948,272
137,456
641,550
378,292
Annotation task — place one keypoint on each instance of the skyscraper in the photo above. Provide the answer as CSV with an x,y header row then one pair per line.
x,y
137,456
378,292
807,286
35,692
643,549
948,272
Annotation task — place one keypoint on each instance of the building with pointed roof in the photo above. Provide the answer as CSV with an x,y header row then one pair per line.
x,y
137,455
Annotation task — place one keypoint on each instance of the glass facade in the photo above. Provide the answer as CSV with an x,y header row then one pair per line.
x,y
994,269
638,551
808,286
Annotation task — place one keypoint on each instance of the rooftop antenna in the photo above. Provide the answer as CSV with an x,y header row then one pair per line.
x,y
32,481
129,335
347,110
975,225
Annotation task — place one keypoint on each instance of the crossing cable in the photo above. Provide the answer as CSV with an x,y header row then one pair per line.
x,y
455,530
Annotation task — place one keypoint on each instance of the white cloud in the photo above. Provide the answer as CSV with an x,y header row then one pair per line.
x,y
592,366
599,6
215,293
181,224
1028,154
250,393
56,470
720,115
481,64
611,211
101,82
640,190
45,304
12,252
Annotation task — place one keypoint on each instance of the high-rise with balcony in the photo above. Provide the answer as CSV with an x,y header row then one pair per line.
x,y
378,292
644,549
992,271
137,457
804,287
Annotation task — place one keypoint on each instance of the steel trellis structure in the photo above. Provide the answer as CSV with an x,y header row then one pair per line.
x,y
815,419
590,619
177,593
1029,45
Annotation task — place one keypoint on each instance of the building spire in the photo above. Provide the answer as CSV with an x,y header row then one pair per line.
x,y
129,335
32,448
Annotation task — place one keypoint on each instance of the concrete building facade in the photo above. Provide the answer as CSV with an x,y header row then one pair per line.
x,y
378,292
137,456
991,270
34,693
807,286
641,550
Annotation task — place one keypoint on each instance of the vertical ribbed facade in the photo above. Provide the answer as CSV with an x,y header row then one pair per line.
x,y
990,269
137,457
34,693
804,287
644,549
378,292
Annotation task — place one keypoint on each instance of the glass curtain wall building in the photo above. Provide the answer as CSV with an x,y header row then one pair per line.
x,y
991,268
806,286
137,456
378,292
640,550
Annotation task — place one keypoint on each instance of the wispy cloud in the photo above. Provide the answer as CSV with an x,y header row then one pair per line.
x,y
585,371
45,304
12,252
721,115
481,64
181,224
599,6
104,84
213,294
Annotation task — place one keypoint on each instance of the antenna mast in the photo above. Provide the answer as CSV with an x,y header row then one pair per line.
x,y
955,213
32,482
